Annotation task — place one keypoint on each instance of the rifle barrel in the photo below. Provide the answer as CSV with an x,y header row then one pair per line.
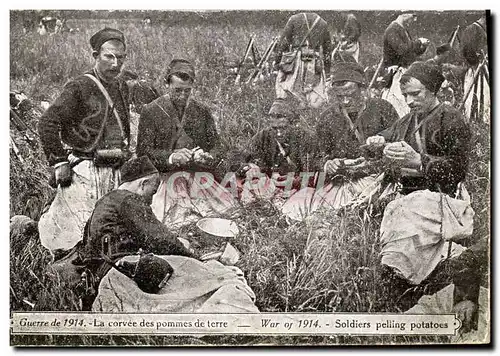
x,y
264,58
19,122
242,63
454,36
377,71
474,80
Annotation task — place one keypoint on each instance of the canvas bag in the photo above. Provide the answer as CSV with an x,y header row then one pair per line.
x,y
419,230
288,59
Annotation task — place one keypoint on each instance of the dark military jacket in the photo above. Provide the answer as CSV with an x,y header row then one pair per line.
x,y
399,48
444,147
162,129
335,137
82,118
122,223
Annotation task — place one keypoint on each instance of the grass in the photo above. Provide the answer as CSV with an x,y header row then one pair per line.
x,y
327,265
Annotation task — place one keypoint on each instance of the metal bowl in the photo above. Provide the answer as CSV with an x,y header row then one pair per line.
x,y
217,227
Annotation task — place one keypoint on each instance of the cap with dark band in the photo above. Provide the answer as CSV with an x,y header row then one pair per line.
x,y
348,71
180,66
137,168
104,35
428,74
282,107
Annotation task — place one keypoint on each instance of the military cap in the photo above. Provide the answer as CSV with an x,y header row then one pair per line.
x,y
137,168
348,71
282,107
180,66
428,74
104,35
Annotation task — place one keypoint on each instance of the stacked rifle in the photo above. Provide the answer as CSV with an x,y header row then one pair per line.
x,y
260,63
481,68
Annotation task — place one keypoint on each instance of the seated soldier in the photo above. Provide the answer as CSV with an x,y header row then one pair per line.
x,y
123,221
122,224
281,152
179,135
341,130
427,155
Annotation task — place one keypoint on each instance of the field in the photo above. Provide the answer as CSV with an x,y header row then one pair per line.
x,y
286,271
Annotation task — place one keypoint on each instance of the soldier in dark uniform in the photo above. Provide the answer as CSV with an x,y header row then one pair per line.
x,y
286,146
123,224
474,48
427,154
179,135
339,139
91,117
349,40
436,135
123,221
303,54
279,154
400,50
342,129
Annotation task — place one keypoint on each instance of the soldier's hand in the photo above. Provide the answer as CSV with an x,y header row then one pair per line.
x,y
63,175
201,156
375,141
353,165
402,153
424,41
251,170
332,166
181,156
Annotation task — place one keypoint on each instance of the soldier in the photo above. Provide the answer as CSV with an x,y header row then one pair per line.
x,y
349,40
474,48
178,134
304,56
91,117
342,129
427,154
124,217
279,155
400,50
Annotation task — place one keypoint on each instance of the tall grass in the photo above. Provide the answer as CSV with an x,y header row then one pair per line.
x,y
327,265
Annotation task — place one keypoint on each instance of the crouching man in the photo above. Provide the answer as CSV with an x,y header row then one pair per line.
x,y
426,153
122,224
165,276
123,221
